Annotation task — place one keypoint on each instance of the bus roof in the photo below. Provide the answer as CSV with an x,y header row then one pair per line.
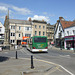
x,y
25,37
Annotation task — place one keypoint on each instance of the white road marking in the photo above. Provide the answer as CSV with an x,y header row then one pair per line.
x,y
57,65
67,56
25,52
66,70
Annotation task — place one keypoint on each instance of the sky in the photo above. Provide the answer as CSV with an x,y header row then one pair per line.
x,y
49,10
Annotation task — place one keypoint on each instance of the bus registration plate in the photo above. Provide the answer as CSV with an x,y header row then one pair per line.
x,y
40,50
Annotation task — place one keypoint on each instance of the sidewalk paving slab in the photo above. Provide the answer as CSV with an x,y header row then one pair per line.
x,y
18,66
22,66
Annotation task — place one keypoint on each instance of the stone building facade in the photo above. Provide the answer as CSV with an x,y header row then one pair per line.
x,y
39,28
16,29
50,33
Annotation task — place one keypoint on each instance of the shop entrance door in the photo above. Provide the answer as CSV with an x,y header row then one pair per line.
x,y
18,42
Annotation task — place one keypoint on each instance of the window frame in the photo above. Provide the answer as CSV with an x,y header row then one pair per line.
x,y
43,33
35,32
39,33
35,26
19,35
19,27
40,26
43,27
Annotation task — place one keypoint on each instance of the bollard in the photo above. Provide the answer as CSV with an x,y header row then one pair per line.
x,y
32,62
16,55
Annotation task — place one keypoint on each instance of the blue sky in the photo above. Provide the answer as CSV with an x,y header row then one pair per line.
x,y
49,10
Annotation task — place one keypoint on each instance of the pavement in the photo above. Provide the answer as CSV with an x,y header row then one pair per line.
x,y
55,48
12,66
22,66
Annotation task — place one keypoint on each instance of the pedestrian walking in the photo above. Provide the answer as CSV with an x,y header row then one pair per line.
x,y
50,46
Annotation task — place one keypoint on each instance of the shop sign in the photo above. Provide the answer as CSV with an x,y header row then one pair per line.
x,y
70,38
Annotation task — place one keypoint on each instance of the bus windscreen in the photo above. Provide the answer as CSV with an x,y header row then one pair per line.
x,y
24,40
39,39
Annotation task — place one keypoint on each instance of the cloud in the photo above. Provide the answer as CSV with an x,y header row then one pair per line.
x,y
14,9
2,17
3,9
23,11
45,13
36,17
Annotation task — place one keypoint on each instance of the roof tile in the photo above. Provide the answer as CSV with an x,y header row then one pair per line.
x,y
66,24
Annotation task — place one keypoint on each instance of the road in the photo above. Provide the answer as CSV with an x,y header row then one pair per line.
x,y
63,58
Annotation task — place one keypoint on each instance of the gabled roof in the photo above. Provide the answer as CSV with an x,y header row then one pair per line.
x,y
66,24
1,25
19,21
73,24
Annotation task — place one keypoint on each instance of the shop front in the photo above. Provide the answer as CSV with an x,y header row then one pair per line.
x,y
59,43
69,42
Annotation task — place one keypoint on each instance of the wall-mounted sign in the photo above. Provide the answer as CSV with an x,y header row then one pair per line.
x,y
69,38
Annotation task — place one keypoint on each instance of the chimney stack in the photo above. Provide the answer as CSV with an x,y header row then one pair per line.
x,y
58,21
60,18
43,20
29,19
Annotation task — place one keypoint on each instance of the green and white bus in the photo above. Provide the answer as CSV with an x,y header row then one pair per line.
x,y
37,44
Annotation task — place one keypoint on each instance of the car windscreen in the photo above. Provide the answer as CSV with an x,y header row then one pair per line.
x,y
40,39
